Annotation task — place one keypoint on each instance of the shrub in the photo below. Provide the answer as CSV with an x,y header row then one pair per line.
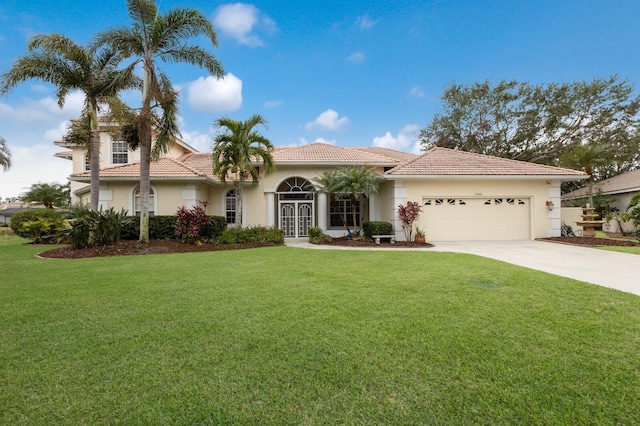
x,y
316,236
377,228
218,225
164,227
131,228
257,234
30,215
160,227
409,214
90,227
192,224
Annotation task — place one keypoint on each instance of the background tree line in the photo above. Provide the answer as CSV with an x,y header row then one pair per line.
x,y
543,123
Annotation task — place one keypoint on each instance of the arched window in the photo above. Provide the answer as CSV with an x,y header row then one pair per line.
x,y
137,201
230,206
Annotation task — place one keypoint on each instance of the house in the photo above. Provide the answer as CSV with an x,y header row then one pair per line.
x,y
9,209
464,196
621,188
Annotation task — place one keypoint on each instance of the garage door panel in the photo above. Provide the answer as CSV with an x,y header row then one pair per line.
x,y
459,219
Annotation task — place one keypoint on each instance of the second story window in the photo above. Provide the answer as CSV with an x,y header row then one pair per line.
x,y
119,152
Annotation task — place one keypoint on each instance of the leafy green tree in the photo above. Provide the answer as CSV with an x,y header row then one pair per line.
x,y
587,158
5,155
355,182
537,122
155,37
237,153
48,194
56,59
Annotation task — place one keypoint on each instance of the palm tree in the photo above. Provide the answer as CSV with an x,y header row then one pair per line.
x,y
153,37
56,59
587,158
5,155
357,182
50,195
236,152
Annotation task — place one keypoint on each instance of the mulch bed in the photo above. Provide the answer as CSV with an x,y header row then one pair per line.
x,y
369,242
132,247
592,242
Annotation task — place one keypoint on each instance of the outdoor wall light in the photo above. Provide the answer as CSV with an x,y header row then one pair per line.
x,y
550,205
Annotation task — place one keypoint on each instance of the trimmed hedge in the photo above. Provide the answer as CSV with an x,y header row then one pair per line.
x,y
377,228
164,227
257,234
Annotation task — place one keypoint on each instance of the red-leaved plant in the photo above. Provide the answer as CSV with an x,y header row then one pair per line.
x,y
409,214
192,224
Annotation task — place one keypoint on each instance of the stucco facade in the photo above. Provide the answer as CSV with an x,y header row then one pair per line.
x,y
463,196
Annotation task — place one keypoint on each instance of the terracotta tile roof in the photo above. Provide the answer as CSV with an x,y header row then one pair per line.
x,y
323,153
399,156
165,167
449,162
625,182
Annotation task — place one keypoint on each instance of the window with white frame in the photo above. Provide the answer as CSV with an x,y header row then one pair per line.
x,y
119,152
137,202
230,206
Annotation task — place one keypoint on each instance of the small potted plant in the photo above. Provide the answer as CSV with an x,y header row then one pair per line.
x,y
420,236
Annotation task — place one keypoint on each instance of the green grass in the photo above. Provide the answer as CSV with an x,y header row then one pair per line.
x,y
621,249
294,336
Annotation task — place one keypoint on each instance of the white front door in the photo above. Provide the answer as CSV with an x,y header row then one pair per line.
x,y
296,217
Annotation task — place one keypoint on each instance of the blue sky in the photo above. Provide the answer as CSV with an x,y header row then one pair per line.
x,y
351,73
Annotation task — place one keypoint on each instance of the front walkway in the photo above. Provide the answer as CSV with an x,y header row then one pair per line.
x,y
620,271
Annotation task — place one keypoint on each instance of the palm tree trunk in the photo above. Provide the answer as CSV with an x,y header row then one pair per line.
x,y
145,167
239,197
144,134
94,157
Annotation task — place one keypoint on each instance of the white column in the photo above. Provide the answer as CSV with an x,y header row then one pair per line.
x,y
322,210
271,203
554,215
374,207
400,195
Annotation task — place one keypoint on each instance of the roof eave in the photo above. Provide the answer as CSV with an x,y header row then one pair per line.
x,y
564,178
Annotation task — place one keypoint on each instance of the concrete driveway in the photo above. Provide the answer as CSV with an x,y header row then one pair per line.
x,y
620,271
605,268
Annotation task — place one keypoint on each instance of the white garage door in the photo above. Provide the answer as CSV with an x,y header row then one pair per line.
x,y
460,219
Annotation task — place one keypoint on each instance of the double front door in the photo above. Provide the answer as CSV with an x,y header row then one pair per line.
x,y
296,217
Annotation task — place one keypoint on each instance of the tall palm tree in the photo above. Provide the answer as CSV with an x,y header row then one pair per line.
x,y
236,152
56,59
587,158
5,155
151,38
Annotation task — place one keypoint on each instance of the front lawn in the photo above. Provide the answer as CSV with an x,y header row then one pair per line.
x,y
293,336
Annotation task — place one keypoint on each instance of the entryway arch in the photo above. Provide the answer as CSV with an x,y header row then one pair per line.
x,y
296,207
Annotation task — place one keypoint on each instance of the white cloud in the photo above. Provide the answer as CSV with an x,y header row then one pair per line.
x,y
406,140
304,141
273,104
365,22
215,94
33,164
57,133
356,57
239,20
328,120
416,92
44,109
